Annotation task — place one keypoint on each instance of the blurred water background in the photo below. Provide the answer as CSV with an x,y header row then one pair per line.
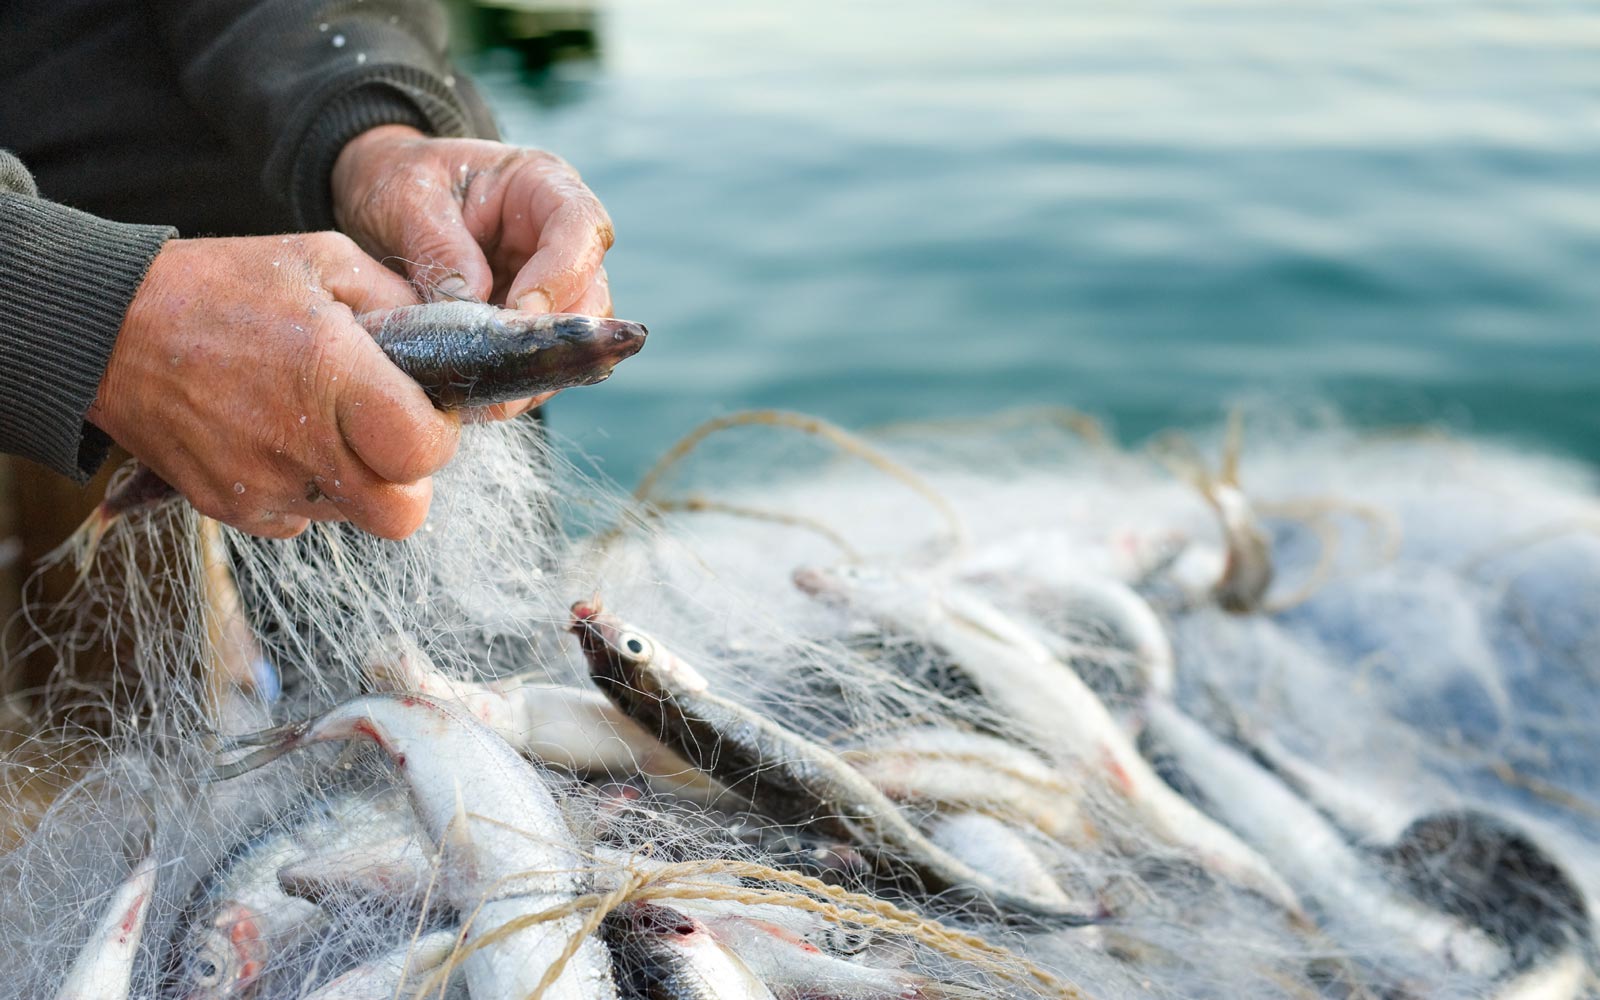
x,y
892,210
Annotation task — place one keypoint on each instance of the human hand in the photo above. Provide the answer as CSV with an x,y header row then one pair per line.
x,y
241,377
477,219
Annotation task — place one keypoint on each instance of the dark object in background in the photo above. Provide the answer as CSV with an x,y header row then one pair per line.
x,y
542,33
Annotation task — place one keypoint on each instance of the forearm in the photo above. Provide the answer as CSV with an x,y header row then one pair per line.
x,y
290,82
66,279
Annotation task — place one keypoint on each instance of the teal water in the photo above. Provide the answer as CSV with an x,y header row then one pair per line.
x,y
891,210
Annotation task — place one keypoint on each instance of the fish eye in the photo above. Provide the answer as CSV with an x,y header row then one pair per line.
x,y
206,972
635,645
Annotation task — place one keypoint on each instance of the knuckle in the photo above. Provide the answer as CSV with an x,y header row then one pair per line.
x,y
331,246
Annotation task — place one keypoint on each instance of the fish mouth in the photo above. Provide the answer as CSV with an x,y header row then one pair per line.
x,y
596,630
627,337
619,338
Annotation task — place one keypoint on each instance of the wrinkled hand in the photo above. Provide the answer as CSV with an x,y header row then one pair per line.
x,y
242,378
477,219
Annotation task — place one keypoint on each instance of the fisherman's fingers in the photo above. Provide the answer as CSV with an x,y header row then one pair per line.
x,y
347,274
596,299
570,246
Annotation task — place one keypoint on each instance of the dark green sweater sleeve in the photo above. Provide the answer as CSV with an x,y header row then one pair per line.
x,y
66,278
289,82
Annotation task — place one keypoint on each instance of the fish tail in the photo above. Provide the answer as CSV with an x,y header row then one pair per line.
x,y
272,743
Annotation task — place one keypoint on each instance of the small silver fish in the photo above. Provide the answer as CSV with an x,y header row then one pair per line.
x,y
1314,853
966,771
105,962
502,838
466,354
663,953
239,917
794,968
787,776
385,976
576,728
1051,705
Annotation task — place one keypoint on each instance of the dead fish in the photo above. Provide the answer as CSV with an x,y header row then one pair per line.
x,y
995,848
574,727
241,681
505,849
663,953
463,354
402,869
965,771
105,962
1128,654
786,775
796,969
385,976
1313,852
1466,862
239,917
1052,706
474,354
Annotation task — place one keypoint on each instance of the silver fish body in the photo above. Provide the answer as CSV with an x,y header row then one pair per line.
x,y
240,918
964,771
105,962
503,842
576,728
1315,855
786,775
385,976
467,354
1054,709
663,953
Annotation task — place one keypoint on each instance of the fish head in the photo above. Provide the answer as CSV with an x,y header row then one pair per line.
x,y
224,960
621,654
661,921
591,344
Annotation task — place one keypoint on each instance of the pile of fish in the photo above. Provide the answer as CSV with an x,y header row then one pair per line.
x,y
1063,757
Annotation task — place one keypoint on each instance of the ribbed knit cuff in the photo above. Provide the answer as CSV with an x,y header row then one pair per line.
x,y
69,277
381,95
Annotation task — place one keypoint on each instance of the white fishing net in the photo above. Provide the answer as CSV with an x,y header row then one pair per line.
x,y
1386,764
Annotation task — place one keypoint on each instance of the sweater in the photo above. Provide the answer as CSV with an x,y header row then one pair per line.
x,y
141,120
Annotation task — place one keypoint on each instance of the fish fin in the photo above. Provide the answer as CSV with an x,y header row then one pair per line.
x,y
456,843
290,731
393,868
273,743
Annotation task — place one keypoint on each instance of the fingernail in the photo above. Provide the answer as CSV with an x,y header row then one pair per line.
x,y
535,302
453,287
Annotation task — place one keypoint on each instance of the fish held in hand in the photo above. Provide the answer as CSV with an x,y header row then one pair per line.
x,y
462,354
467,354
